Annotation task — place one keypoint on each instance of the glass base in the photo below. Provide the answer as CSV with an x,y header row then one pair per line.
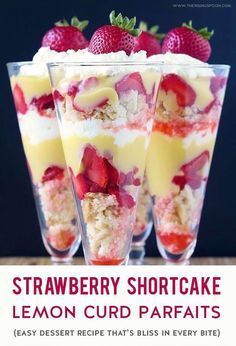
x,y
61,261
179,258
137,253
107,262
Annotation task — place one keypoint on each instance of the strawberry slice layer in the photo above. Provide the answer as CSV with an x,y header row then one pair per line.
x,y
57,96
19,99
100,176
132,81
53,172
43,103
190,170
185,95
175,242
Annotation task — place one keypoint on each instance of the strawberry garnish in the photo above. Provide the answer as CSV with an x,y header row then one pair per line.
x,y
64,36
190,170
187,40
97,172
19,100
43,103
175,242
115,37
148,40
53,172
131,81
185,95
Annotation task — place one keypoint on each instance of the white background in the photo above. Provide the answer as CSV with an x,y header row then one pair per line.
x,y
226,324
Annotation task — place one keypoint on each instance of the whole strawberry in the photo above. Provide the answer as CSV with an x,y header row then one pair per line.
x,y
64,36
115,37
148,40
187,40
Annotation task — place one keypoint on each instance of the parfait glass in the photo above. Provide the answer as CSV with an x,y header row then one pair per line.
x,y
189,105
142,226
105,112
40,135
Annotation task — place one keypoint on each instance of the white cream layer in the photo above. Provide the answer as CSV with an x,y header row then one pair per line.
x,y
38,128
92,128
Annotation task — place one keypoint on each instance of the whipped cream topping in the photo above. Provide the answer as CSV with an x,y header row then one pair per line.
x,y
182,64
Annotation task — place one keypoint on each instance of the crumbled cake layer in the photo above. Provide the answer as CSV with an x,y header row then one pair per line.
x,y
108,225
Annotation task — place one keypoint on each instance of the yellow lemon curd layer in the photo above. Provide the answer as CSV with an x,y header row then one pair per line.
x,y
32,86
42,155
167,154
132,154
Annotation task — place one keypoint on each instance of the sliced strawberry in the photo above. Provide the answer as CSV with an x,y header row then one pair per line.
x,y
73,88
175,242
61,240
113,174
57,96
196,164
53,172
132,81
19,100
89,83
185,95
180,180
128,179
81,185
123,198
43,103
217,83
89,156
98,172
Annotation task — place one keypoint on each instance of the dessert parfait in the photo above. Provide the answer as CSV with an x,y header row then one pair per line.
x,y
188,111
106,109
42,144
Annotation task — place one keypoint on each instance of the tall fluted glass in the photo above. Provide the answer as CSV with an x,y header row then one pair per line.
x,y
106,115
40,135
189,105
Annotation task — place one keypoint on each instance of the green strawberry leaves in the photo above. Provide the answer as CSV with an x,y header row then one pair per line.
x,y
153,30
81,25
124,23
203,31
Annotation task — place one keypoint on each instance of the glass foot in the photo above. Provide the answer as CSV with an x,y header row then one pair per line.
x,y
61,261
137,253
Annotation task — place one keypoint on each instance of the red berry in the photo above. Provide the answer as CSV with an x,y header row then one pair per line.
x,y
81,184
53,172
97,173
196,164
64,36
19,99
43,103
186,40
57,96
185,95
113,174
148,42
108,39
132,81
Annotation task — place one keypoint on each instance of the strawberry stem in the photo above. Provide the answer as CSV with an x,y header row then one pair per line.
x,y
81,25
153,30
203,31
124,23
